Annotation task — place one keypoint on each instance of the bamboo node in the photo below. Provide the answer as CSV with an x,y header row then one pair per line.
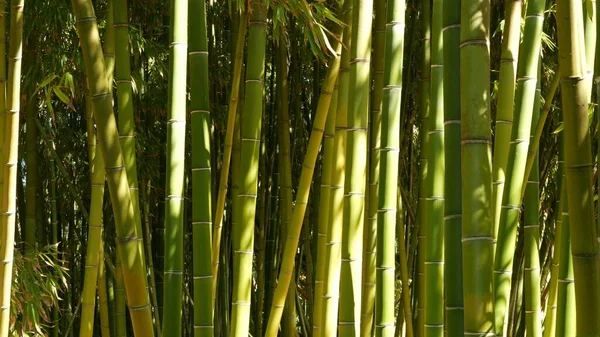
x,y
455,308
203,326
474,42
86,19
476,141
139,308
178,44
453,216
566,280
127,239
360,60
448,27
202,277
477,238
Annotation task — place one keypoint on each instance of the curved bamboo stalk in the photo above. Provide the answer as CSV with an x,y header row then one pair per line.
x,y
331,290
288,327
324,214
126,122
132,267
98,175
293,231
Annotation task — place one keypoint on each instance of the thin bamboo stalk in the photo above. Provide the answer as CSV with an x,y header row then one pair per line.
x,y
295,227
453,285
9,162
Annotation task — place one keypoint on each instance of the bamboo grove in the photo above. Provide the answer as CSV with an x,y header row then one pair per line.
x,y
299,168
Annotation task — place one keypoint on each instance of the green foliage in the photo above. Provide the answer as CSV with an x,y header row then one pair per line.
x,y
38,281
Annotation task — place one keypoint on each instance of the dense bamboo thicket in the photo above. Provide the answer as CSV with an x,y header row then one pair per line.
x,y
389,168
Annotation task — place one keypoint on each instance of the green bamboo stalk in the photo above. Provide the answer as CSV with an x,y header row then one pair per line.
x,y
550,313
288,327
250,128
388,174
565,303
148,240
132,267
298,215
517,158
370,233
324,214
356,169
228,145
476,164
2,86
126,121
9,162
434,197
406,308
531,231
103,295
120,302
453,282
97,177
578,167
94,242
506,97
539,128
201,171
174,214
333,255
